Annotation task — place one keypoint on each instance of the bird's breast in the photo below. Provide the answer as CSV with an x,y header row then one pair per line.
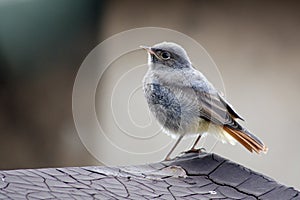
x,y
176,109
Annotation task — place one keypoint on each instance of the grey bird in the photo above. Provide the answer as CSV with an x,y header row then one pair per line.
x,y
184,102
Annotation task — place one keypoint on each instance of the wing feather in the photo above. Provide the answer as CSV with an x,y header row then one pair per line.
x,y
214,108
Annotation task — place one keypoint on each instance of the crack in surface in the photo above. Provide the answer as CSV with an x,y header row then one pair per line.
x,y
241,183
268,191
216,167
235,188
152,190
169,189
217,183
96,183
123,186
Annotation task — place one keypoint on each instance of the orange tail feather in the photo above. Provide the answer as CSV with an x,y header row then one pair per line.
x,y
246,140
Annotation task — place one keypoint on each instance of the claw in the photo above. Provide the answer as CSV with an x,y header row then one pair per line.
x,y
193,150
167,159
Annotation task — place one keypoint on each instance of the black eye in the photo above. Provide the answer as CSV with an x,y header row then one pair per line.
x,y
165,55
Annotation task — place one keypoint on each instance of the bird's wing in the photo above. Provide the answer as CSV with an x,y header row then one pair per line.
x,y
229,108
214,108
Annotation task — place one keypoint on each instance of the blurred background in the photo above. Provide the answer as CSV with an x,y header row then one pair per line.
x,y
255,44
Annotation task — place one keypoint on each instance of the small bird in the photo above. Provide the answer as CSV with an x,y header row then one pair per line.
x,y
184,102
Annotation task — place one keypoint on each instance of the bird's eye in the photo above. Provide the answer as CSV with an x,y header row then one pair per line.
x,y
165,55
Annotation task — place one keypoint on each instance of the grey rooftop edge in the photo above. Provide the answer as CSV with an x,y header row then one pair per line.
x,y
190,176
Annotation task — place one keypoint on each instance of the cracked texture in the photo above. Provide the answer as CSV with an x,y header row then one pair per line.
x,y
191,176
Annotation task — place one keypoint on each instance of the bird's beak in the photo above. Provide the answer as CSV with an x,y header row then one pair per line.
x,y
148,49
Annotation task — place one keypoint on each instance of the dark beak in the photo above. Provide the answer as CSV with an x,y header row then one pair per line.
x,y
148,49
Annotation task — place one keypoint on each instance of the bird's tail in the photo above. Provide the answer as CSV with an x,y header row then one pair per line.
x,y
248,140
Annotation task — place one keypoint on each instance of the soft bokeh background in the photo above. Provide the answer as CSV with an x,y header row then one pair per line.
x,y
255,45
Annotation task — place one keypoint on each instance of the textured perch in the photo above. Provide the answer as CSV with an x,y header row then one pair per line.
x,y
191,176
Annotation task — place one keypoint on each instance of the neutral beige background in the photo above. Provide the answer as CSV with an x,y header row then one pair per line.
x,y
256,47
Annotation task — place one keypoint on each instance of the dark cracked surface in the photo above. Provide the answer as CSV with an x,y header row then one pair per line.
x,y
191,176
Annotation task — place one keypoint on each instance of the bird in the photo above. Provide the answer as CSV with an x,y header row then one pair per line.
x,y
185,103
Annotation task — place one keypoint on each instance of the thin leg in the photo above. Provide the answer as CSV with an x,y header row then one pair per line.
x,y
173,148
195,143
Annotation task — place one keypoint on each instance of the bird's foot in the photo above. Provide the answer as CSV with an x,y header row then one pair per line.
x,y
167,159
193,150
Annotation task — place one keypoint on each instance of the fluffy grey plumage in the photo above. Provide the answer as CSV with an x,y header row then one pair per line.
x,y
185,102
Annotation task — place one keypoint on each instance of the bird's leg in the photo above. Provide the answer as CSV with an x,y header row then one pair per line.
x,y
173,148
193,149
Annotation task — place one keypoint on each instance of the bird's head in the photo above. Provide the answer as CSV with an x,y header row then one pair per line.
x,y
167,55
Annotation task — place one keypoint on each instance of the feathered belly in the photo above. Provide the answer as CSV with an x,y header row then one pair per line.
x,y
177,112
